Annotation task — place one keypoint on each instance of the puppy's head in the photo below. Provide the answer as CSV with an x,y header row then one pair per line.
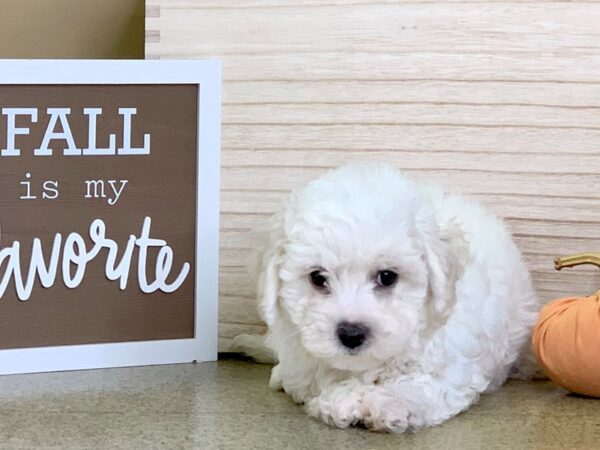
x,y
357,268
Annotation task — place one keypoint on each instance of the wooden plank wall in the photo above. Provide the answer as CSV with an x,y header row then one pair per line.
x,y
500,100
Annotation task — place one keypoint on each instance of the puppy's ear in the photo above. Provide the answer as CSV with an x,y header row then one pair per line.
x,y
446,256
268,278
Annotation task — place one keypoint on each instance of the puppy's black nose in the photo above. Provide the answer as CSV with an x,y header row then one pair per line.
x,y
352,335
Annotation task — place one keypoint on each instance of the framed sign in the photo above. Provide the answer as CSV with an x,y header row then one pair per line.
x,y
109,182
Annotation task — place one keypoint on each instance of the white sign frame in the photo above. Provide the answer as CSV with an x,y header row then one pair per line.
x,y
203,347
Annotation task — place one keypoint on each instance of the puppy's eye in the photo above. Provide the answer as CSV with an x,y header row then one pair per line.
x,y
318,280
386,278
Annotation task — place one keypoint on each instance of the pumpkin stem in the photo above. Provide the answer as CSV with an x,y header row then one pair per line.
x,y
576,260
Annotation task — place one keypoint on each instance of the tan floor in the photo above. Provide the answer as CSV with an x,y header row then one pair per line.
x,y
228,406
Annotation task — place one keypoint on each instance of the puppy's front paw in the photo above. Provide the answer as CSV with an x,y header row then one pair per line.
x,y
383,413
340,412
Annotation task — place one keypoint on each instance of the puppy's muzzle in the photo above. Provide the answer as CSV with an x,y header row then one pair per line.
x,y
352,335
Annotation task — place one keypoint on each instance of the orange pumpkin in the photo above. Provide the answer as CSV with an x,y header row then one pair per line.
x,y
566,340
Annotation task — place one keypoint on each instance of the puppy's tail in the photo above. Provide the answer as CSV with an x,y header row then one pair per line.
x,y
255,347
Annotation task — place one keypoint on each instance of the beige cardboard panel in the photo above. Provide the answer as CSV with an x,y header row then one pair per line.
x,y
88,29
500,100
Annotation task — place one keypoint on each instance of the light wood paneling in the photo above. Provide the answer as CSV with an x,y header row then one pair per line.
x,y
499,100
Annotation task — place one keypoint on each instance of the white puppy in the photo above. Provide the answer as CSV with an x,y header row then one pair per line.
x,y
390,304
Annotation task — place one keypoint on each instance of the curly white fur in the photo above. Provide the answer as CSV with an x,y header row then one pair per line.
x,y
451,327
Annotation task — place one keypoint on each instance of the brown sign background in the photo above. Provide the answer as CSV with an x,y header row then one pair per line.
x,y
161,185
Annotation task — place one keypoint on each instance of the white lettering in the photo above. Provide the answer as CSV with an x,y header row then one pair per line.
x,y
50,190
12,130
27,184
127,149
113,201
76,256
92,148
58,114
98,189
